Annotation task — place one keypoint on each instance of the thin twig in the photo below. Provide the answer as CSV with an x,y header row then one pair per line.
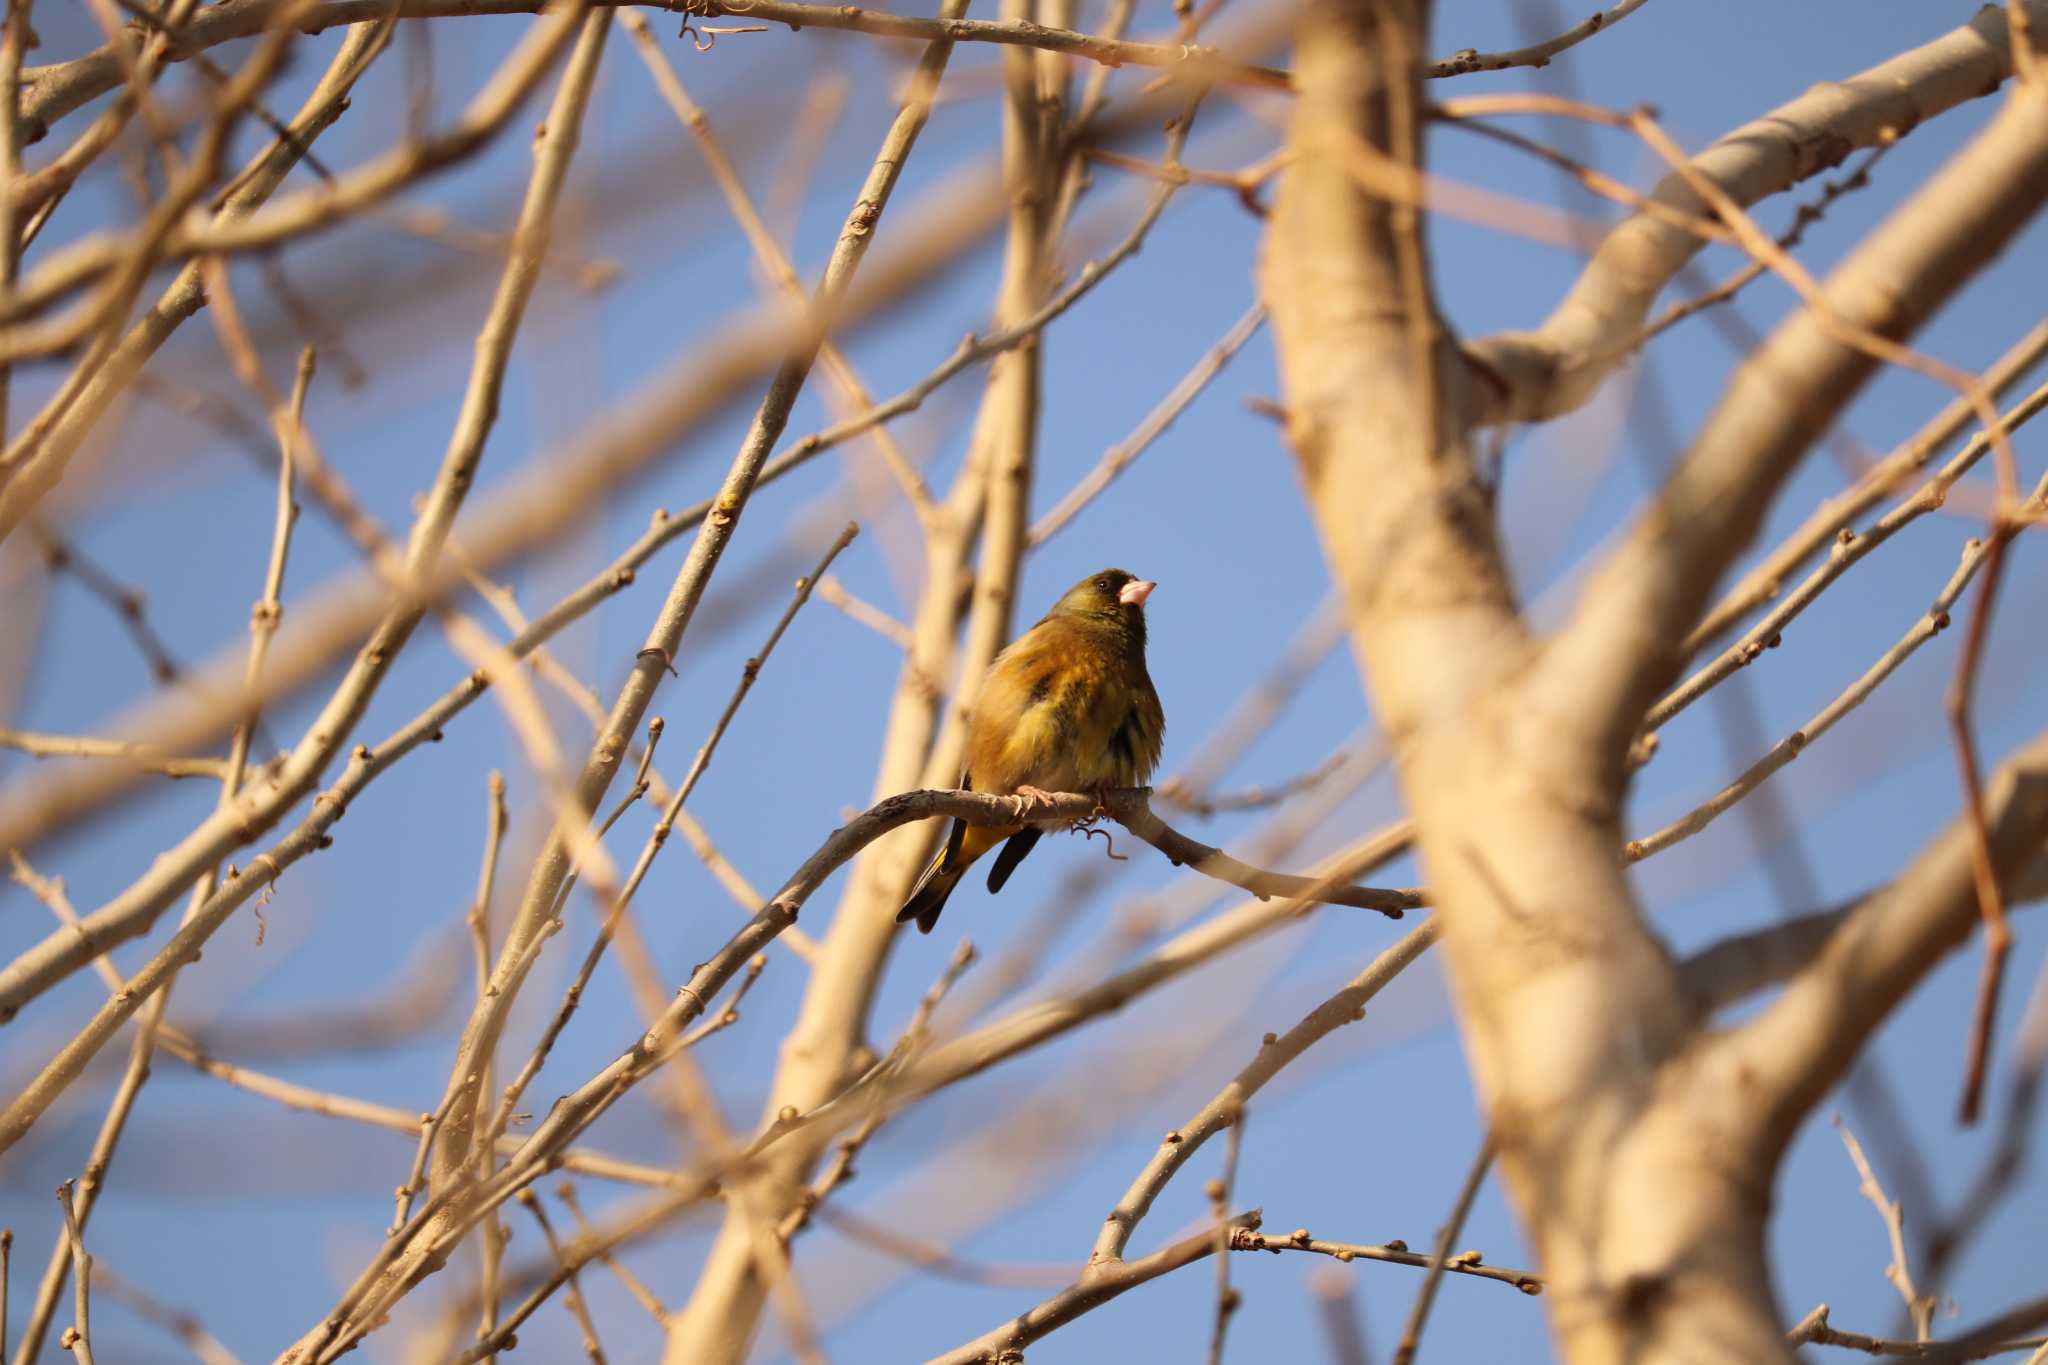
x,y
834,594
974,349
129,605
1536,54
1440,1258
1814,1329
1931,623
730,1015
91,746
1343,1321
1939,1248
1804,216
572,1296
1990,1338
1899,1272
939,1261
1119,456
657,838
1195,65
1275,1052
1990,899
181,1324
478,920
1134,812
1848,548
78,1337
1391,1253
1844,330
579,1253
566,1192
770,256
1259,797
1228,1300
914,1036
1821,527
1097,1286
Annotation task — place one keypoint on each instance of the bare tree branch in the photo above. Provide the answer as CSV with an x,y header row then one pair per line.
x,y
53,91
411,1255
1554,369
1763,582
1789,1056
1346,1006
1570,1006
1847,550
555,494
538,905
1616,651
133,911
1815,1328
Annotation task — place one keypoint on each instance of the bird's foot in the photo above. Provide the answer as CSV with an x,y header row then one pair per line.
x,y
1031,799
1089,823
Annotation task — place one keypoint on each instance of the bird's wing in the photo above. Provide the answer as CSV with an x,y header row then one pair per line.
x,y
1066,709
957,833
1022,716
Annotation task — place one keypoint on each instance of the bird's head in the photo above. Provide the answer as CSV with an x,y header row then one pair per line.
x,y
1110,596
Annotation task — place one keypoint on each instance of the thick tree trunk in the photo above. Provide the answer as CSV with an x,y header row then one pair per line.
x,y
1568,1004
1638,1147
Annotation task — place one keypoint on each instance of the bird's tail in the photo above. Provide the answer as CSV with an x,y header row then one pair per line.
x,y
928,897
964,843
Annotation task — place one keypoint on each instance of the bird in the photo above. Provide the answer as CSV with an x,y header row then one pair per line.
x,y
1068,706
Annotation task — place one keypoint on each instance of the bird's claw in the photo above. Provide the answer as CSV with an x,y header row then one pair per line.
x,y
1029,799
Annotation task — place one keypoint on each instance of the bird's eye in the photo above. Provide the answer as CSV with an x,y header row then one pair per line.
x,y
1103,583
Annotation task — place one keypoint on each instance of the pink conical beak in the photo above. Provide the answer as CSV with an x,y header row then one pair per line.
x,y
1134,593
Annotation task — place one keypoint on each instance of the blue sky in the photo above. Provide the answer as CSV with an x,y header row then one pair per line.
x,y
253,1217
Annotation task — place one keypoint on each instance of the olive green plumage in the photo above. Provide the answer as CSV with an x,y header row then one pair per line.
x,y
1067,707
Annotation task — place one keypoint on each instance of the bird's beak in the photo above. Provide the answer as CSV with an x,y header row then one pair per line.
x,y
1134,593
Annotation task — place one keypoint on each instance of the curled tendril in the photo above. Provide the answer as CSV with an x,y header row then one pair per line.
x,y
1089,829
704,37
